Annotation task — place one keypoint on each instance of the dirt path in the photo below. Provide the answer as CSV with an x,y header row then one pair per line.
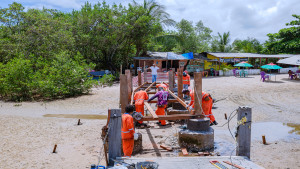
x,y
27,138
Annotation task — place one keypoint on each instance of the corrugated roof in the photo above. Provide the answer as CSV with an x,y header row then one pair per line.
x,y
295,60
248,55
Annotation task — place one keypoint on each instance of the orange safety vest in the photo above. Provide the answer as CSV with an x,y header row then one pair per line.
x,y
186,79
139,97
127,129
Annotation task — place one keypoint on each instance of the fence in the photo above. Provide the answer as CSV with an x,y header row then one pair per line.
x,y
230,72
285,70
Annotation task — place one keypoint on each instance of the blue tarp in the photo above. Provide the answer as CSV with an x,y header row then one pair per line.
x,y
185,56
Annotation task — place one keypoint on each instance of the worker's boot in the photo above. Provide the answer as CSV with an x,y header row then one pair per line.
x,y
215,122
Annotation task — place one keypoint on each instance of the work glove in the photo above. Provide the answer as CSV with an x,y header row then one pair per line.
x,y
135,136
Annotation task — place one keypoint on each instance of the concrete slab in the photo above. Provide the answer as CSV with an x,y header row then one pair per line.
x,y
197,162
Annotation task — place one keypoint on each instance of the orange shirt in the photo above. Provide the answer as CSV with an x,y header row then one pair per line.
x,y
139,97
127,129
186,79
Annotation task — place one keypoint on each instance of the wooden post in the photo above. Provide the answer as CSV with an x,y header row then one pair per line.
x,y
171,80
180,83
54,149
129,82
114,136
198,92
145,72
123,92
259,61
244,131
139,78
121,70
264,139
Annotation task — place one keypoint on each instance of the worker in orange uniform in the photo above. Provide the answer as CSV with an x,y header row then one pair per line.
x,y
207,103
162,102
186,81
139,98
127,131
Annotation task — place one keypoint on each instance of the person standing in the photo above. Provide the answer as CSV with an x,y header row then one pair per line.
x,y
139,98
154,69
127,131
162,97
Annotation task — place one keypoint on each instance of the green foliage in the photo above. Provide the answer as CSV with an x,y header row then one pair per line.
x,y
249,45
107,80
226,67
61,77
287,40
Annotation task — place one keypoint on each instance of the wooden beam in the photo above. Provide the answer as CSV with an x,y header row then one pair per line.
x,y
169,101
171,80
180,82
172,112
123,92
139,78
114,136
151,110
173,117
150,86
198,92
177,98
141,86
145,72
243,138
151,92
129,82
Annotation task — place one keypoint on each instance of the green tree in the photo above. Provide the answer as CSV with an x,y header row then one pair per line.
x,y
287,40
223,42
249,45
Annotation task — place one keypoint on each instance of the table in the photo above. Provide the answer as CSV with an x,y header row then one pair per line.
x,y
270,75
242,73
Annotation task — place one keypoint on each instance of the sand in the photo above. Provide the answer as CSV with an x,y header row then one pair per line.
x,y
27,138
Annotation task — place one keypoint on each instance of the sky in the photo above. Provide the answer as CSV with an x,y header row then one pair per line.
x,y
243,18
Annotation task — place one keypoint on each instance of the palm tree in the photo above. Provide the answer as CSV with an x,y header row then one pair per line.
x,y
223,42
157,11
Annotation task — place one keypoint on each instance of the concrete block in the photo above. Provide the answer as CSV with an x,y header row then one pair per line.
x,y
138,146
196,141
198,124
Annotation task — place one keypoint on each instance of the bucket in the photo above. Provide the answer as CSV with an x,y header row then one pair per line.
x,y
147,164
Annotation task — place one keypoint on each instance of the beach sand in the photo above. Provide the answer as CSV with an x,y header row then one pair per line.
x,y
27,137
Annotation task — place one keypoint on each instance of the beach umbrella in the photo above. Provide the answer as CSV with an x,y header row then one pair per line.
x,y
243,64
271,66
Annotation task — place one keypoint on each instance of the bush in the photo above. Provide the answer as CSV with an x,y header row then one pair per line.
x,y
107,80
39,78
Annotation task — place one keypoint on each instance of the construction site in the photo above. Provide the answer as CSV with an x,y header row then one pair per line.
x,y
257,127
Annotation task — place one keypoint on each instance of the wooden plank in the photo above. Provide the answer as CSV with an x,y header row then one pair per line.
x,y
151,110
129,82
141,86
239,167
131,100
171,80
114,135
123,92
177,98
150,86
169,101
198,92
151,92
180,83
171,112
139,78
145,72
184,151
243,138
166,147
172,117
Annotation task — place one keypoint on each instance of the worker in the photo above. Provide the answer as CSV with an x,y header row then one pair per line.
x,y
162,101
207,103
186,81
127,131
164,86
139,98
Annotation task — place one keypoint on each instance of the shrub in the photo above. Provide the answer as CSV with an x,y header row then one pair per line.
x,y
40,78
107,80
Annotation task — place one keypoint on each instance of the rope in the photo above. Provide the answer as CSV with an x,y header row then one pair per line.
x,y
101,155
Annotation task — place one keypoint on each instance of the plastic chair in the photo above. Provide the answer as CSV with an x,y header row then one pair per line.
x,y
234,72
263,76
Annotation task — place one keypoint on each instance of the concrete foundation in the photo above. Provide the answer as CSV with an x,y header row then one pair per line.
x,y
138,146
198,136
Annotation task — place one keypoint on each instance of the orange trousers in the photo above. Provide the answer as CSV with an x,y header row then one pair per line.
x,y
140,108
161,111
127,147
207,106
